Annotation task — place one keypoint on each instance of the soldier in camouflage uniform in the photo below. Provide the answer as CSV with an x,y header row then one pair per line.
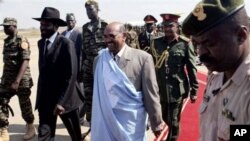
x,y
132,37
93,41
173,53
16,79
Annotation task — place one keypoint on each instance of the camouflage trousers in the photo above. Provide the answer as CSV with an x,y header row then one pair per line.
x,y
23,95
88,104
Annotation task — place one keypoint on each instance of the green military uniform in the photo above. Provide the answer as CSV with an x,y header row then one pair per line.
x,y
174,84
16,49
93,41
172,60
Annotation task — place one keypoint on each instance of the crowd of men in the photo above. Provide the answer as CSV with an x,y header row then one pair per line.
x,y
125,79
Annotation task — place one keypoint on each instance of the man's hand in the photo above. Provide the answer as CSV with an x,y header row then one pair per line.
x,y
59,110
157,133
193,98
14,86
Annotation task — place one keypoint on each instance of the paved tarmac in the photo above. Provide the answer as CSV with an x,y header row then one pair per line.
x,y
17,124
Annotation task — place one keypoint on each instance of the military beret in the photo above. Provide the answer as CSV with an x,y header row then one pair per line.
x,y
168,18
209,13
9,21
149,19
92,2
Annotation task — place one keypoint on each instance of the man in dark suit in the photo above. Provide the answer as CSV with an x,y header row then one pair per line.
x,y
149,34
76,36
125,91
57,91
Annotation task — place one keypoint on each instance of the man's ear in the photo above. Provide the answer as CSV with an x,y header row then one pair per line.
x,y
242,34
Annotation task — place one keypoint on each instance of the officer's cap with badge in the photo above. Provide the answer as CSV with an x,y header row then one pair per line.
x,y
209,13
169,18
149,19
9,21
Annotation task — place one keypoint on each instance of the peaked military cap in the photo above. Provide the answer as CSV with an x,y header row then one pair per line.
x,y
208,14
168,18
9,21
150,19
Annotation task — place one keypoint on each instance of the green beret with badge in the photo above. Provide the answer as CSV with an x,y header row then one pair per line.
x,y
209,13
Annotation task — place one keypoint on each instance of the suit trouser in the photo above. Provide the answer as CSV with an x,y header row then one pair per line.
x,y
47,125
171,113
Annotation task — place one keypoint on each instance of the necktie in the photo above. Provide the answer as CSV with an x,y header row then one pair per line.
x,y
149,38
46,47
45,50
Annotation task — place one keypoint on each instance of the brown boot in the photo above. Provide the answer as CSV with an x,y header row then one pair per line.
x,y
30,132
4,134
1,139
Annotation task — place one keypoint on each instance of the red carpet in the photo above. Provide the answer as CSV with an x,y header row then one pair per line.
x,y
190,116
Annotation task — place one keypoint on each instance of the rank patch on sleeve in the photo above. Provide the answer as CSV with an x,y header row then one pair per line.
x,y
24,45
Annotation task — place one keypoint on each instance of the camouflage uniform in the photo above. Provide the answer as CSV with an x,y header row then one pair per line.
x,y
131,39
15,51
93,41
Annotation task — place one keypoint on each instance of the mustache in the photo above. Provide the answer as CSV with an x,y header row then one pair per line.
x,y
207,59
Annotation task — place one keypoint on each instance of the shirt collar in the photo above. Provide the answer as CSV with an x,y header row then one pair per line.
x,y
52,38
120,53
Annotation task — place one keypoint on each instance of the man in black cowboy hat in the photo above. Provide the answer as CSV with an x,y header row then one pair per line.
x,y
58,90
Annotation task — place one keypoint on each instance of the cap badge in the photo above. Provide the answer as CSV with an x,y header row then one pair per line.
x,y
199,12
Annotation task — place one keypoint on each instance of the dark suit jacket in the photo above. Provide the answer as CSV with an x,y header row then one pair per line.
x,y
76,37
143,40
57,82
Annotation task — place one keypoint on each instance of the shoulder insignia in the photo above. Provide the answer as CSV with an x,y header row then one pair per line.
x,y
185,38
24,45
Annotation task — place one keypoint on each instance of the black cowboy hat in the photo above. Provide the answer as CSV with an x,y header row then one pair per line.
x,y
50,13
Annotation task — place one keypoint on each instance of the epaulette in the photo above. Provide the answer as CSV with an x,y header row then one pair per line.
x,y
184,38
156,37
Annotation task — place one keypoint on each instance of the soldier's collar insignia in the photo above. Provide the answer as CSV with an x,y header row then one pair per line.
x,y
24,45
199,12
